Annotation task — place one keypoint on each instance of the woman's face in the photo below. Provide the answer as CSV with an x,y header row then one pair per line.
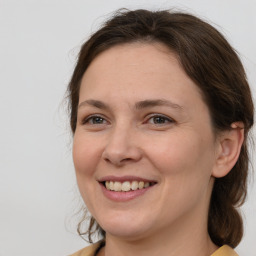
x,y
142,119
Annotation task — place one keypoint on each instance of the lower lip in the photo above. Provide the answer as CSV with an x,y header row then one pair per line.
x,y
124,196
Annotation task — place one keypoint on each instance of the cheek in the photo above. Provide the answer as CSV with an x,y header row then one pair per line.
x,y
184,156
85,158
185,165
85,155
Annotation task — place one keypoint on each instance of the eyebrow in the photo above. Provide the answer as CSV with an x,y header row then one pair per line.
x,y
138,105
95,103
157,102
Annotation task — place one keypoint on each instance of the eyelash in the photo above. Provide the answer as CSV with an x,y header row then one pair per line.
x,y
152,116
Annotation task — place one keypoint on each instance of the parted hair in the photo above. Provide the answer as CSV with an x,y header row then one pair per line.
x,y
214,66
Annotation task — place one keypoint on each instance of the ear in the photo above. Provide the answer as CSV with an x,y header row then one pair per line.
x,y
228,150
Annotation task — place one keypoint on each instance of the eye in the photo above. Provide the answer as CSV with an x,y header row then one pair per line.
x,y
160,120
94,120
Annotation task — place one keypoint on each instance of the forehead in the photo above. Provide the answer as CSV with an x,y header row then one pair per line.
x,y
137,69
147,57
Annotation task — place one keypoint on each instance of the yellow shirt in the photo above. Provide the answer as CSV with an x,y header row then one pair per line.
x,y
90,251
225,251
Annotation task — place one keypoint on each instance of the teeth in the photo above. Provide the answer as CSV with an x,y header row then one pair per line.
x,y
118,186
111,185
126,186
135,185
141,184
107,185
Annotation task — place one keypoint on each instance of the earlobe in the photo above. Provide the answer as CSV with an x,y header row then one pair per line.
x,y
230,143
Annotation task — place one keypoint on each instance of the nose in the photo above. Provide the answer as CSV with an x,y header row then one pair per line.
x,y
122,147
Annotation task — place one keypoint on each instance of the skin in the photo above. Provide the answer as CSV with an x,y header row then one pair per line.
x,y
178,150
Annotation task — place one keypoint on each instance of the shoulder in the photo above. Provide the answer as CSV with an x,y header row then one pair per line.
x,y
225,250
89,250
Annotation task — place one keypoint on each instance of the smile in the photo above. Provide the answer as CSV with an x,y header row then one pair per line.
x,y
125,188
126,185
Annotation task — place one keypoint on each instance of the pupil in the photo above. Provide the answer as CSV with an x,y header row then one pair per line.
x,y
159,120
97,120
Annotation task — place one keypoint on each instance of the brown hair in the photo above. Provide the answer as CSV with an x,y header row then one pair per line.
x,y
214,66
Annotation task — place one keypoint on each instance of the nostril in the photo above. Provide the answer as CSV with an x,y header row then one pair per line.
x,y
117,161
126,159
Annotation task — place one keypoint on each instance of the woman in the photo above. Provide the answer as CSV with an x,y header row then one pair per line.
x,y
160,110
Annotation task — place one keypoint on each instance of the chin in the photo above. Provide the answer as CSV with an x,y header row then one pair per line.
x,y
125,228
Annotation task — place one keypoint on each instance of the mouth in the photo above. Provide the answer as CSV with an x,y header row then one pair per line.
x,y
126,186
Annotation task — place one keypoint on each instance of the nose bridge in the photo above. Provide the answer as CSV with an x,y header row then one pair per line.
x,y
121,145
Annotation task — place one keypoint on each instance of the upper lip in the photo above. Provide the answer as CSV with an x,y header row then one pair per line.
x,y
124,178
